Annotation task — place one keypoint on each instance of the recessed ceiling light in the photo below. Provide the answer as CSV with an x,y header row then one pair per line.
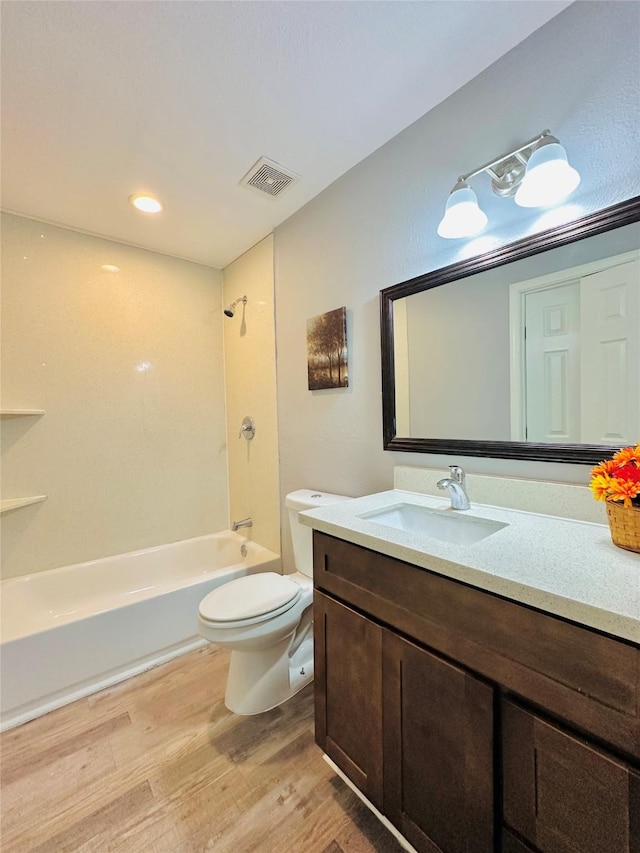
x,y
145,203
110,268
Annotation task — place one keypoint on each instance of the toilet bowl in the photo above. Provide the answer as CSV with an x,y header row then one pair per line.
x,y
266,620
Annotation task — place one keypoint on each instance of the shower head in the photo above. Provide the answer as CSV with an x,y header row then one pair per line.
x,y
230,310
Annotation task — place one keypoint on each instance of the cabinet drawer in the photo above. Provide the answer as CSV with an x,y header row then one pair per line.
x,y
579,675
563,795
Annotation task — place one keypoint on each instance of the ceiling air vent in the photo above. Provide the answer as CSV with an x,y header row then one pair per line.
x,y
269,178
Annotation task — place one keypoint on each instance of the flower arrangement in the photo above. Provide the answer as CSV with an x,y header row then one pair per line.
x,y
618,478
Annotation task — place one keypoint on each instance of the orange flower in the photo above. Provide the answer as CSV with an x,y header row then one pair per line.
x,y
622,490
618,479
627,454
606,467
600,486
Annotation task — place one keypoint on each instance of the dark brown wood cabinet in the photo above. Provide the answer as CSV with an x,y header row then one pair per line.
x,y
477,724
562,793
348,678
438,750
511,844
437,745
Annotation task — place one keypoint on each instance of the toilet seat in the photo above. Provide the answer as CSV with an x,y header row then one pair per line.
x,y
249,600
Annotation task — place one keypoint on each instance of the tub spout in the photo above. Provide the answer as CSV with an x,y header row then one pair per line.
x,y
246,522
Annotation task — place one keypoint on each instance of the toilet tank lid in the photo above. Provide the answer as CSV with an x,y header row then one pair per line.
x,y
310,498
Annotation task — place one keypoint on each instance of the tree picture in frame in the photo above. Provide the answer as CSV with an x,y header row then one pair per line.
x,y
327,356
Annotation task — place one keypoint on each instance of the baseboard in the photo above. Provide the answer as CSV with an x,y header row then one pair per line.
x,y
383,820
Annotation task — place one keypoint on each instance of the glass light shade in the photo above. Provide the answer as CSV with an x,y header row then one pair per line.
x,y
462,216
549,177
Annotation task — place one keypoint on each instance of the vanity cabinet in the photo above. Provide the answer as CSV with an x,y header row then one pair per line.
x,y
473,723
348,679
437,755
438,750
563,793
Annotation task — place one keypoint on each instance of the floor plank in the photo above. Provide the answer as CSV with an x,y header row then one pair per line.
x,y
157,764
24,761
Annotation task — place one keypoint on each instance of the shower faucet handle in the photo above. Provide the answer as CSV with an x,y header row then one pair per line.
x,y
248,428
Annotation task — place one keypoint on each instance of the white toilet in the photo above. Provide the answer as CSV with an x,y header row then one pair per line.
x,y
267,622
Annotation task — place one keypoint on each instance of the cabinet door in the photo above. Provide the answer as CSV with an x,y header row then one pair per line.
x,y
511,844
438,751
348,693
564,795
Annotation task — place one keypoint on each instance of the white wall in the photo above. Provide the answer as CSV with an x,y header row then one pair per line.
x,y
250,374
376,226
129,367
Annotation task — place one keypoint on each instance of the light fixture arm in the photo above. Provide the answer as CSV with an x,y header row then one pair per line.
x,y
515,152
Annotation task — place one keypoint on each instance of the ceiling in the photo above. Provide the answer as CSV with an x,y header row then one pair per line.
x,y
179,99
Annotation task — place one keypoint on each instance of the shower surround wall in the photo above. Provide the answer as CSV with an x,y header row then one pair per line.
x,y
250,371
128,366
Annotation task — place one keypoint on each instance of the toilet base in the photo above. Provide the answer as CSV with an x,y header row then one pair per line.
x,y
260,681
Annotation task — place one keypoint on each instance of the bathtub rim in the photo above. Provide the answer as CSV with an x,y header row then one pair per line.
x,y
34,684
258,554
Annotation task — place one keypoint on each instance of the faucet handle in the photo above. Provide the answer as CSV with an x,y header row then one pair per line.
x,y
457,473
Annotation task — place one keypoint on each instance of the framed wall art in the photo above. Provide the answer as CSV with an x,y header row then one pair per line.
x,y
327,355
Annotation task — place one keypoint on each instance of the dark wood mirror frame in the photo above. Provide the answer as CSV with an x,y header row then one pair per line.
x,y
605,220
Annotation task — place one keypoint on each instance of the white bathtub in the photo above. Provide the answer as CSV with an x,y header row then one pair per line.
x,y
69,632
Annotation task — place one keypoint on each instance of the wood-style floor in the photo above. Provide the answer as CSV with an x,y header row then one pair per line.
x,y
158,764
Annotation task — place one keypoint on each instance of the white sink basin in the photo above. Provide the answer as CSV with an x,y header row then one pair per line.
x,y
444,524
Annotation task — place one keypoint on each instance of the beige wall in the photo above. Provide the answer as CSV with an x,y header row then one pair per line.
x,y
468,396
249,347
129,367
376,226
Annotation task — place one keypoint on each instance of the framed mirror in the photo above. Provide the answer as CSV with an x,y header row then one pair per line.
x,y
531,351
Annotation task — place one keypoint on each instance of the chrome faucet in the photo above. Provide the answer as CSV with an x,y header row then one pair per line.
x,y
246,522
456,485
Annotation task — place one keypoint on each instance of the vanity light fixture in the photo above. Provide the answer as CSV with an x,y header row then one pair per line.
x,y
548,178
537,173
145,203
462,216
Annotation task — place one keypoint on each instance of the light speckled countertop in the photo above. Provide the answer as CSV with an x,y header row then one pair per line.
x,y
564,567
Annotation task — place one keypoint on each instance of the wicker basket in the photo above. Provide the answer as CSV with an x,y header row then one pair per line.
x,y
625,525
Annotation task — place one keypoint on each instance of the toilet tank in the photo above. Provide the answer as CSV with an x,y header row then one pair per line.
x,y
302,536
